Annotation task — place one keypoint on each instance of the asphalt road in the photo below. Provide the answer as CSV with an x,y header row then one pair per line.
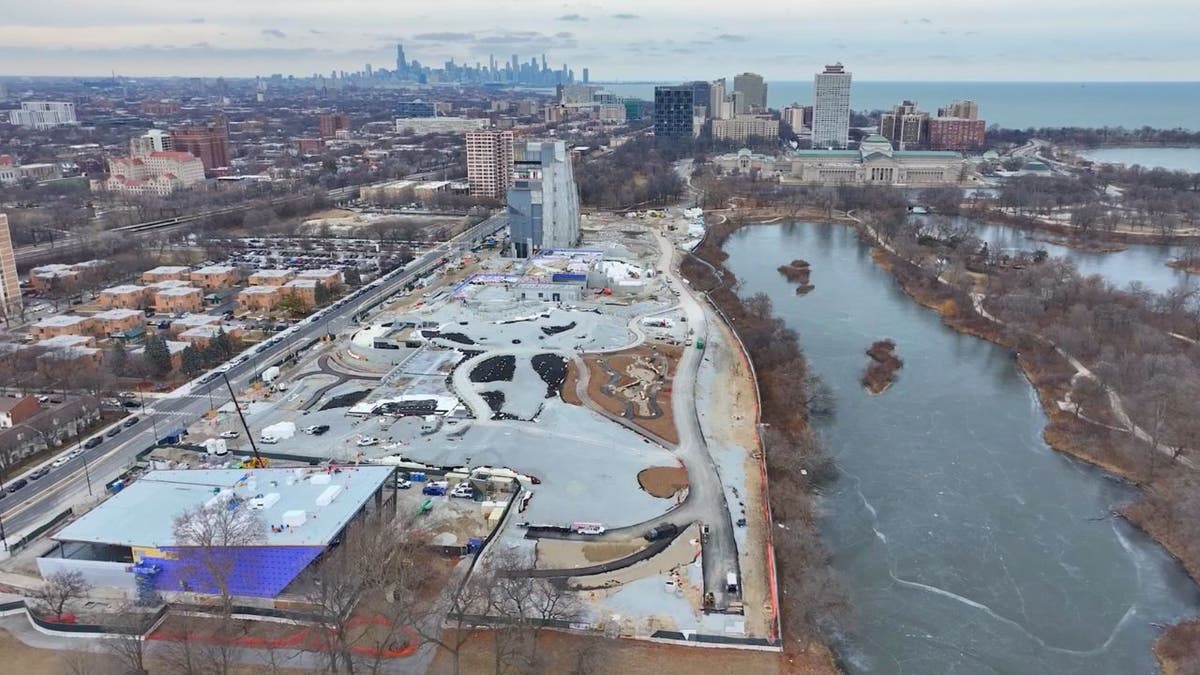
x,y
68,485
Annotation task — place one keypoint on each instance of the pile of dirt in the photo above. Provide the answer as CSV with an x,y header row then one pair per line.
x,y
663,481
495,369
884,364
460,338
553,370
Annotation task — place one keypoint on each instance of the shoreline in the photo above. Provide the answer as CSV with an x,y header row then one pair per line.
x,y
1101,238
1063,433
1069,435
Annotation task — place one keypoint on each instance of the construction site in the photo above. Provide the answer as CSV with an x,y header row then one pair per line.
x,y
580,411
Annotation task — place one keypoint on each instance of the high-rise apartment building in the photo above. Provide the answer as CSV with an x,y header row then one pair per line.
x,y
489,162
209,142
956,133
155,140
905,126
967,110
831,108
331,123
716,99
543,202
43,114
743,127
797,116
417,108
674,112
10,284
755,91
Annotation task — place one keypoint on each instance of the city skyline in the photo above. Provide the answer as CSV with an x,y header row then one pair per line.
x,y
922,40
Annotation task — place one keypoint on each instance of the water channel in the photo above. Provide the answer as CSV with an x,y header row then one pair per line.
x,y
1137,263
966,544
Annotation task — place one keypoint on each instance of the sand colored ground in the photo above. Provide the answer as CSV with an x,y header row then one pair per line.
x,y
663,481
564,553
636,378
733,397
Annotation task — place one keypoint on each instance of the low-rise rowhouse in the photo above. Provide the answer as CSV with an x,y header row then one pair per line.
x,y
174,348
179,299
46,277
330,278
63,324
78,355
190,321
125,296
14,411
216,277
200,336
166,273
258,298
50,427
271,277
120,323
305,289
128,541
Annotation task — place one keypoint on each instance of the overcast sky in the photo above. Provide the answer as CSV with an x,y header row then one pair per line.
x,y
617,39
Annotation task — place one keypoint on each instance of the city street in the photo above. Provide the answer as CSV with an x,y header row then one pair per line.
x,y
69,485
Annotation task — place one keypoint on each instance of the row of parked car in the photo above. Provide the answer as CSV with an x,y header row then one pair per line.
x,y
63,459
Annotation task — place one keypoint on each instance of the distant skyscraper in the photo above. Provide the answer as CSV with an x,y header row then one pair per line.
x,y
10,284
401,63
673,112
701,93
755,89
585,75
716,98
543,202
831,107
489,162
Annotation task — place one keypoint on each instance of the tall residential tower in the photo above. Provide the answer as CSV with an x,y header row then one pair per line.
x,y
831,108
10,284
489,162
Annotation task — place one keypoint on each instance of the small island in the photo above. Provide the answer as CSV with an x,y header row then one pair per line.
x,y
798,272
884,363
1190,265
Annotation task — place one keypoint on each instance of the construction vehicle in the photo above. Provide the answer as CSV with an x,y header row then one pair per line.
x,y
258,462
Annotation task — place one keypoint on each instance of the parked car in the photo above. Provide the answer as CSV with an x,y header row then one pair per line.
x,y
367,441
267,439
463,491
113,432
231,433
317,429
434,489
661,531
130,421
17,485
404,484
60,461
39,473
93,442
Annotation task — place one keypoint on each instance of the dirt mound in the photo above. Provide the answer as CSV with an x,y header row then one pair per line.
x,y
495,369
553,370
663,481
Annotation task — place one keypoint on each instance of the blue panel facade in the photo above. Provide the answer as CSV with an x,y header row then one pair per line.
x,y
256,571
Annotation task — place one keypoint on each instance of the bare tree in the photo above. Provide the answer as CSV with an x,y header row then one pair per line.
x,y
126,643
466,605
366,595
208,536
61,588
524,605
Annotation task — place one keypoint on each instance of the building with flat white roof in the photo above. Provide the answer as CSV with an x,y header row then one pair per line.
x,y
43,114
421,126
129,540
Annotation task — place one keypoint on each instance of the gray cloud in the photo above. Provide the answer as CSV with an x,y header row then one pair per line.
x,y
625,15
564,35
196,20
729,37
314,31
445,36
572,17
274,33
924,20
